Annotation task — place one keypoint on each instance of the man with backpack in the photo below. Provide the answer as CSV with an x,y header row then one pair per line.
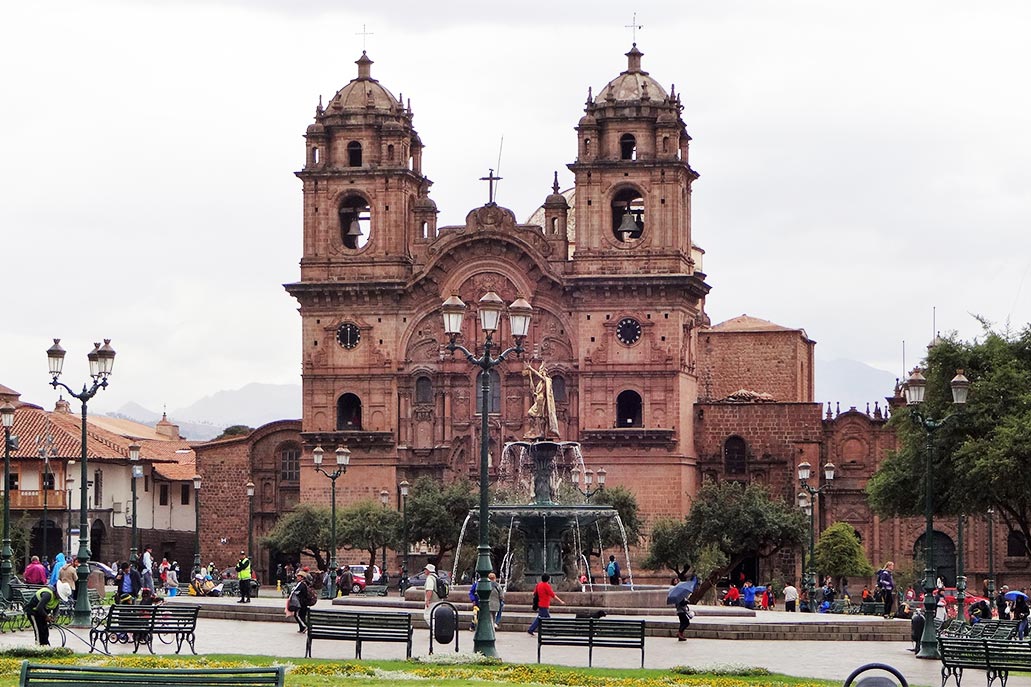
x,y
435,589
612,570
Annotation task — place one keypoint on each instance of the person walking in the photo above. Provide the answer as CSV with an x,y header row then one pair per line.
x,y
346,581
886,585
544,594
684,614
612,571
42,605
430,596
35,573
497,599
790,597
243,575
1001,603
299,600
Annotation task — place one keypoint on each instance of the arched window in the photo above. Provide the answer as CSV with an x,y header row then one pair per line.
x,y
628,409
1016,545
628,214
735,456
354,154
349,412
315,155
290,462
494,398
355,221
665,144
423,390
627,147
558,388
390,151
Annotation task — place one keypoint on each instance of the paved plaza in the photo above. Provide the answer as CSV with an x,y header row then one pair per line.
x,y
832,660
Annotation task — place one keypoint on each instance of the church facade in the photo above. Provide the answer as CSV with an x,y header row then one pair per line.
x,y
653,392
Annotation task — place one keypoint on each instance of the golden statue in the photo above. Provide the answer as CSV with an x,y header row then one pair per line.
x,y
542,416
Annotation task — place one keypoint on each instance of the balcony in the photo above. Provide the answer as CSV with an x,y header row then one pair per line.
x,y
32,499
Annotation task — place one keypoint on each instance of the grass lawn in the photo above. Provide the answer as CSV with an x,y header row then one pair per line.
x,y
444,672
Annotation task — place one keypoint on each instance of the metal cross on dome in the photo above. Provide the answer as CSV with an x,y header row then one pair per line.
x,y
633,27
364,34
490,179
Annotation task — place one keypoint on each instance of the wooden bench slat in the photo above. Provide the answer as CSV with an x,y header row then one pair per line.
x,y
41,675
591,632
359,627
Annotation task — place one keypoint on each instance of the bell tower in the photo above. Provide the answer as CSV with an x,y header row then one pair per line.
x,y
633,180
365,197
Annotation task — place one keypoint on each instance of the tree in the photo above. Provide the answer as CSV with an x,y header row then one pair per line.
x,y
436,512
625,503
740,521
839,553
369,526
979,457
234,431
304,531
669,547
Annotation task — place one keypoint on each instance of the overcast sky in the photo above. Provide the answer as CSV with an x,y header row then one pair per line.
x,y
861,163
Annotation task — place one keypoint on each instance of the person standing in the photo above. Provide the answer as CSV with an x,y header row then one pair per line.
x,y
59,563
128,584
70,573
886,585
430,596
497,599
147,566
42,605
545,594
612,570
243,575
790,597
1001,605
684,615
172,579
299,600
35,573
346,581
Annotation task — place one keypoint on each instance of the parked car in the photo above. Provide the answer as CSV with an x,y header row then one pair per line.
x,y
359,571
109,572
419,579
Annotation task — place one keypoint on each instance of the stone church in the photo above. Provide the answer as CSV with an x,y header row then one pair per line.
x,y
654,392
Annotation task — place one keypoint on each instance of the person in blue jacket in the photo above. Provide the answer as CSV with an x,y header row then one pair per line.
x,y
748,594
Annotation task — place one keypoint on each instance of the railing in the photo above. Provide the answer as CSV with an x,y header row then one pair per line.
x,y
57,499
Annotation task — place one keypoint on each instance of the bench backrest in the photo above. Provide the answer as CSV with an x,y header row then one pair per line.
x,y
350,625
1008,655
54,676
128,618
962,652
176,618
598,628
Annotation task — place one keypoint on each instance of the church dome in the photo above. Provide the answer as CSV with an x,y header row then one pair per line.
x,y
632,85
364,93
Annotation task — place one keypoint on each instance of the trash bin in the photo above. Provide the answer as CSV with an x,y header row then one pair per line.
x,y
444,624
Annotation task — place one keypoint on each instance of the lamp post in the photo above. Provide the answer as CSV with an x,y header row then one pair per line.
x,y
101,362
914,389
807,501
490,309
137,472
46,452
6,567
961,578
343,458
196,519
250,518
404,535
69,483
991,554
384,498
588,475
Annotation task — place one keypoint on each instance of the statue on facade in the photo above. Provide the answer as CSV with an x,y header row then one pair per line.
x,y
542,416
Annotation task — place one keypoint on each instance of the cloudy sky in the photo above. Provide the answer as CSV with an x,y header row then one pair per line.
x,y
861,163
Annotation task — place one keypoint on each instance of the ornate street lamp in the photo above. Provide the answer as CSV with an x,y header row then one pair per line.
x,y
196,518
250,519
914,389
588,475
46,452
807,501
6,567
137,472
101,362
343,458
404,535
490,308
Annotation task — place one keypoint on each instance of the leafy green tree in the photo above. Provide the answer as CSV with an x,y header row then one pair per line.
x,y
306,531
436,512
625,503
740,521
369,526
979,457
669,547
839,553
234,431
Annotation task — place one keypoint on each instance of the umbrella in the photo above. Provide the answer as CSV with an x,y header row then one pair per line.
x,y
1012,596
677,593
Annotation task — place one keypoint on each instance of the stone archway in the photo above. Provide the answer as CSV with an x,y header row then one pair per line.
x,y
54,539
944,553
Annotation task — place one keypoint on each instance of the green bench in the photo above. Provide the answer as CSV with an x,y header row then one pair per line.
x,y
138,624
358,628
40,675
997,657
374,590
591,633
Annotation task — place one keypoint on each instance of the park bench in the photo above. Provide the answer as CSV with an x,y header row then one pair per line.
x,y
591,633
374,590
995,656
872,608
359,628
139,624
39,675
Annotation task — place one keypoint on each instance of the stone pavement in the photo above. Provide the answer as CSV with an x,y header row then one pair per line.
x,y
818,659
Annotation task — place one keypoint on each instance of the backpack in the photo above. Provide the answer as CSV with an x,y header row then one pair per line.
x,y
441,587
611,569
313,596
536,601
